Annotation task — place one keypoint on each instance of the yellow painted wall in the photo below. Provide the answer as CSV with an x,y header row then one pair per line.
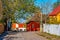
x,y
58,17
52,19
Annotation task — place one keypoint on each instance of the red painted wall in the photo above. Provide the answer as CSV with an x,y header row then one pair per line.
x,y
21,25
33,26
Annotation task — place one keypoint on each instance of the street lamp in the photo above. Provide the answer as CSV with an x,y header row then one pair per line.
x,y
41,26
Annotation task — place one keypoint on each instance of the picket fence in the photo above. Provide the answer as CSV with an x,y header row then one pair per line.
x,y
52,29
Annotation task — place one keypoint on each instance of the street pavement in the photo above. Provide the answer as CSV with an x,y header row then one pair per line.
x,y
23,36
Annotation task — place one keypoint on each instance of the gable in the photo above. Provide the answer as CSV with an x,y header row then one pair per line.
x,y
58,14
55,11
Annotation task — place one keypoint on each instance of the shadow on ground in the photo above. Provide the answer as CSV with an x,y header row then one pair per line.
x,y
3,34
7,33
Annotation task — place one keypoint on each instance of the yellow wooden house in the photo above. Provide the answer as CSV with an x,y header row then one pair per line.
x,y
54,16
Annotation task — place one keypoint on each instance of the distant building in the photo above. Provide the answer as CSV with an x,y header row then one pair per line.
x,y
22,27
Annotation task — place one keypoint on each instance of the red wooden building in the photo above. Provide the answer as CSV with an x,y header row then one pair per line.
x,y
34,23
33,26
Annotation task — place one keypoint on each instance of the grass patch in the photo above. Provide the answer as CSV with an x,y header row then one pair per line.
x,y
49,36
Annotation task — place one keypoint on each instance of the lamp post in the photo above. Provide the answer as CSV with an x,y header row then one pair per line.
x,y
41,23
41,26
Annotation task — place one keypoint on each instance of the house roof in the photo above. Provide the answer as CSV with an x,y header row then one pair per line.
x,y
36,17
55,11
33,22
21,25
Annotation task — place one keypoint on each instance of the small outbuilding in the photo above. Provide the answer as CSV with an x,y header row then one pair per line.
x,y
22,27
33,26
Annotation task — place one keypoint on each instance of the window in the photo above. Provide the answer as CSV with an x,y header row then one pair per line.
x,y
32,25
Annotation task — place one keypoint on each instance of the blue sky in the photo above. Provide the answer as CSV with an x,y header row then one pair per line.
x,y
22,20
41,3
38,2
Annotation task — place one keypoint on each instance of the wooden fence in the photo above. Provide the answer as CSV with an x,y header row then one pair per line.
x,y
52,29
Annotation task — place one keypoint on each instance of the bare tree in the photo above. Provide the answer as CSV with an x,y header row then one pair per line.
x,y
46,8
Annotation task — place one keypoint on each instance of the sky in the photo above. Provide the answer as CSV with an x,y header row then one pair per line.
x,y
22,20
39,2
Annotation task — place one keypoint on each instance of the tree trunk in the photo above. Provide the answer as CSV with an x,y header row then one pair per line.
x,y
5,24
1,28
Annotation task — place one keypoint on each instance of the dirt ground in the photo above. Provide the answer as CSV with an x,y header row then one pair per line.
x,y
23,36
